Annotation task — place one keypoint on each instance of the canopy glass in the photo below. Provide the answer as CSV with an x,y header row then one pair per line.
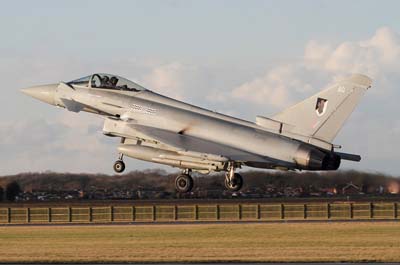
x,y
107,81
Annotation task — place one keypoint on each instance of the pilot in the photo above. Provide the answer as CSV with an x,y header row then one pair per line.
x,y
105,81
113,81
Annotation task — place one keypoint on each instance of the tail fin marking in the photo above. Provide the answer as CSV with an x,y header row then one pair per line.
x,y
322,115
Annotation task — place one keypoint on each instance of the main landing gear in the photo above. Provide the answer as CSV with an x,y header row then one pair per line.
x,y
233,181
184,182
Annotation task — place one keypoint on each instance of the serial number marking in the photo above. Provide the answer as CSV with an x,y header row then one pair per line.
x,y
341,89
143,109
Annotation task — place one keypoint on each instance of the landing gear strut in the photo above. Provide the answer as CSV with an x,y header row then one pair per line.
x,y
233,181
184,182
119,165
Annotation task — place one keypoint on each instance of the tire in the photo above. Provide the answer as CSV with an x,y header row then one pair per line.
x,y
183,183
119,166
236,184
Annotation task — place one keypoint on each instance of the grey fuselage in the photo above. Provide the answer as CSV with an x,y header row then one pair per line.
x,y
163,130
153,110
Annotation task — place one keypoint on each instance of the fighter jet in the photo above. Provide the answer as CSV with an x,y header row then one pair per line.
x,y
159,129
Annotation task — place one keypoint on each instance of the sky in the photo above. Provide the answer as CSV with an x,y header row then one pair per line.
x,y
242,58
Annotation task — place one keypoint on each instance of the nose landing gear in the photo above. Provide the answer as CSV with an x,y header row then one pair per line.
x,y
119,165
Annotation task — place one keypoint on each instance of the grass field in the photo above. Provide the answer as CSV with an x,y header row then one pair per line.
x,y
366,241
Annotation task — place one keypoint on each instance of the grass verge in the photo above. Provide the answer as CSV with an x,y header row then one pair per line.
x,y
270,242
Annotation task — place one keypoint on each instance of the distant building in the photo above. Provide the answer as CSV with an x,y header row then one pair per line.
x,y
331,191
351,189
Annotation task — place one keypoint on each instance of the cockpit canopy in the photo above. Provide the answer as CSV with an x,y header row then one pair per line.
x,y
107,81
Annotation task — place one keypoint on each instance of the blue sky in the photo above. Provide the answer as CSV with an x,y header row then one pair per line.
x,y
239,57
190,30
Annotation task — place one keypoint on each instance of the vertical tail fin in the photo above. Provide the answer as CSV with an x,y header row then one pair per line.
x,y
323,115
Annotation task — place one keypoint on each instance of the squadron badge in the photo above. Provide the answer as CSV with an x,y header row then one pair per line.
x,y
320,106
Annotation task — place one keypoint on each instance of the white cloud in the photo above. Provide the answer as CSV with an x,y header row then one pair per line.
x,y
179,80
322,64
375,56
167,79
66,143
274,87
84,133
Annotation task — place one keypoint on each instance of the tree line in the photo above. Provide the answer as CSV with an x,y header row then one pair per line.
x,y
160,180
11,190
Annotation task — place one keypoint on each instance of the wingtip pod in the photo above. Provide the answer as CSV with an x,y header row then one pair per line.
x,y
360,79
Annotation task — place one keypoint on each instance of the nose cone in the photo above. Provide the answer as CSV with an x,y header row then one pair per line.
x,y
44,93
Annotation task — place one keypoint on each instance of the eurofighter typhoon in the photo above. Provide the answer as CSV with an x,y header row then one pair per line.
x,y
159,129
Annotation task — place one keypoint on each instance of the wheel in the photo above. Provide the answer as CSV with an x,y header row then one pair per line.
x,y
183,183
119,166
235,183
